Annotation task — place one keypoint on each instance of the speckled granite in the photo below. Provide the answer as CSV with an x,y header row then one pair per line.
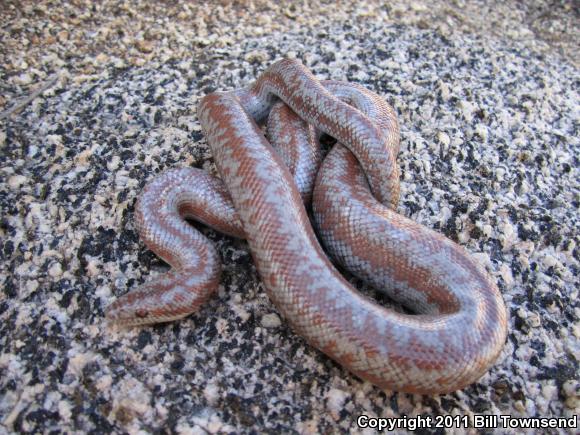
x,y
489,157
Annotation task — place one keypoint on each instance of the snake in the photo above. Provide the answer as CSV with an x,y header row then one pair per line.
x,y
295,209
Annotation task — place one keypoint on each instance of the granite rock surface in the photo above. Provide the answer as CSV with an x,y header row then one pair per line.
x,y
96,99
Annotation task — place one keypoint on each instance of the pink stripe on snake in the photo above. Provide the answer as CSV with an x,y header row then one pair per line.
x,y
460,325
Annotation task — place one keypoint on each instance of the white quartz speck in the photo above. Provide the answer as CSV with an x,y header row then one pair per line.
x,y
271,321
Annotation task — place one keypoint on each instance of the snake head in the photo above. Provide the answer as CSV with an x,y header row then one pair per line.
x,y
132,309
169,297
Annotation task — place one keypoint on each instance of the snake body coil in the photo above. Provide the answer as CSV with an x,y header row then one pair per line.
x,y
460,325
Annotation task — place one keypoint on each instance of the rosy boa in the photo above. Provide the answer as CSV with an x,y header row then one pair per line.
x,y
460,326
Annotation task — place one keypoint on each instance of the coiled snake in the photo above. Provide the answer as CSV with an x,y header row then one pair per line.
x,y
460,325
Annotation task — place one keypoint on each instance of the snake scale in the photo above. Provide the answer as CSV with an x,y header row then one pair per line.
x,y
459,323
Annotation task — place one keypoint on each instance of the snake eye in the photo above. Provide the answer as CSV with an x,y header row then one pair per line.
x,y
141,314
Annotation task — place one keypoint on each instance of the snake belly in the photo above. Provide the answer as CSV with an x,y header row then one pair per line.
x,y
460,325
